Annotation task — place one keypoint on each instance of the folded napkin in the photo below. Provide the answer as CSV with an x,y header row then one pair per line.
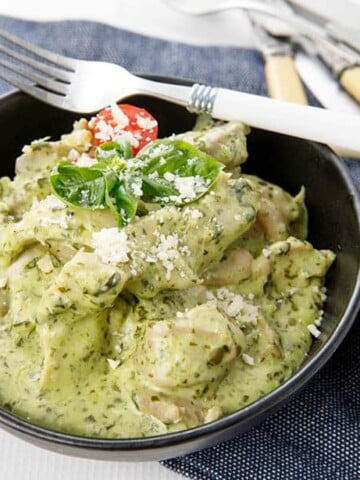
x,y
317,435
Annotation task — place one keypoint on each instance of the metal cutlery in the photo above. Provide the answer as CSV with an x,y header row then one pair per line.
x,y
86,86
343,61
206,7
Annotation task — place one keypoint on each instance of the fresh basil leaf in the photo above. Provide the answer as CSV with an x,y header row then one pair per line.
x,y
176,172
79,186
122,200
107,151
167,171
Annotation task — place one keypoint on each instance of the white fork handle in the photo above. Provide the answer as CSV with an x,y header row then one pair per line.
x,y
312,123
338,129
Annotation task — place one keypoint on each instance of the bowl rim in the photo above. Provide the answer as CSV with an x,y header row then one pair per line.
x,y
269,402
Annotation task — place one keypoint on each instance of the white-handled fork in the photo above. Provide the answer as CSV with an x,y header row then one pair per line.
x,y
87,86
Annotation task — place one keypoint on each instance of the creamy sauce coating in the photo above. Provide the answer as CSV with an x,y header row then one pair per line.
x,y
190,314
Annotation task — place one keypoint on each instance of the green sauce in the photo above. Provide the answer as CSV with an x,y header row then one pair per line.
x,y
185,315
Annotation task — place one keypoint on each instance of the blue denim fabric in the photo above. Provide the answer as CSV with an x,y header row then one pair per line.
x,y
317,435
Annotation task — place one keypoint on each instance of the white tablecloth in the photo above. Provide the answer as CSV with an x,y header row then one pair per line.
x,y
20,460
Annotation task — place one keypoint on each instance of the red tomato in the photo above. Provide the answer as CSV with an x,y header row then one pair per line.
x,y
125,121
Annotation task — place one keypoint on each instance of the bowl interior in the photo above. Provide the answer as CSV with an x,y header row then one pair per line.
x,y
290,162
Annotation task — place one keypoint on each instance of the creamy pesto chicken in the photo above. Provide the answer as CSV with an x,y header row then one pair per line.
x,y
184,315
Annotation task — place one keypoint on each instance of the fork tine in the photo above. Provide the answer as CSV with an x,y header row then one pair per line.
x,y
60,60
48,69
41,80
31,89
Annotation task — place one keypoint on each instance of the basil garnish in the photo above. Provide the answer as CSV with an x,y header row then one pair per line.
x,y
176,172
168,171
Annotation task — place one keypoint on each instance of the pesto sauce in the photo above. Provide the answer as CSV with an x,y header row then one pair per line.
x,y
208,310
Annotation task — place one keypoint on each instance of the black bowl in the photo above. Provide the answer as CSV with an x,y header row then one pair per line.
x,y
334,207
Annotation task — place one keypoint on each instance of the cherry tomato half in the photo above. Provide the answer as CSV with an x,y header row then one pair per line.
x,y
128,122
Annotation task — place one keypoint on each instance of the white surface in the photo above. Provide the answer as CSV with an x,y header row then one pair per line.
x,y
20,460
339,10
150,17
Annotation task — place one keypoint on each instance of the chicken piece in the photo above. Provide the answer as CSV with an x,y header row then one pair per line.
x,y
173,246
189,353
124,328
171,411
84,286
235,266
34,166
76,306
183,413
295,262
279,215
68,363
226,142
26,281
51,221
294,298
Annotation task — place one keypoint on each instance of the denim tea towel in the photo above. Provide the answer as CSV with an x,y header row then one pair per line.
x,y
316,436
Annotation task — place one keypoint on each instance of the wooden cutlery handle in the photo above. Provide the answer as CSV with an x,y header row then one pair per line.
x,y
283,80
350,81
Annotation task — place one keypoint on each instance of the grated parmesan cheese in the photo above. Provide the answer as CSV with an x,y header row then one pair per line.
x,y
193,213
46,207
124,137
104,131
318,321
169,176
315,332
113,363
235,306
111,246
166,251
248,359
73,155
84,160
145,123
51,202
119,116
